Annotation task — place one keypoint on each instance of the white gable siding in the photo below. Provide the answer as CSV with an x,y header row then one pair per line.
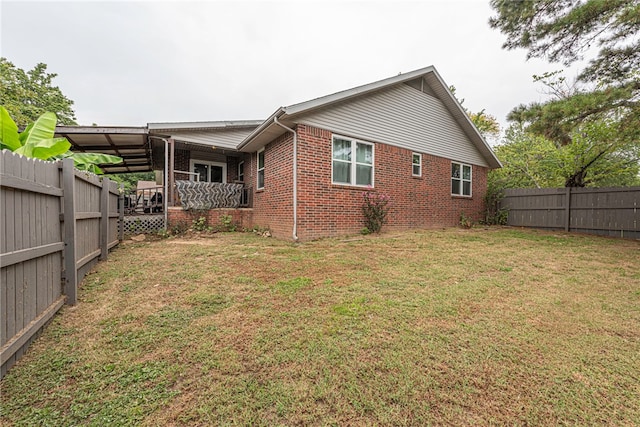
x,y
222,138
403,117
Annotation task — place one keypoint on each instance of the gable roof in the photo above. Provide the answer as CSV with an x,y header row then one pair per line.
x,y
269,130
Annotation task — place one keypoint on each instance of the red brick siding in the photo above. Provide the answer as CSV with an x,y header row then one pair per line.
x,y
273,206
176,217
325,209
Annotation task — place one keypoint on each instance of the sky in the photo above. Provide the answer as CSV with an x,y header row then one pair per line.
x,y
132,63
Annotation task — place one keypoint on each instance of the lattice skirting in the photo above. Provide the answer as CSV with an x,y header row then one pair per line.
x,y
137,224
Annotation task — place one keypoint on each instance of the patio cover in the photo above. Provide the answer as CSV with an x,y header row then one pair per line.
x,y
130,143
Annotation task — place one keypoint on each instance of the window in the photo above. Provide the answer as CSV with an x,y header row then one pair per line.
x,y
348,168
416,164
241,171
208,171
460,179
260,169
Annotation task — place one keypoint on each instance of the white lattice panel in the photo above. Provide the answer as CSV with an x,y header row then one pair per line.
x,y
140,224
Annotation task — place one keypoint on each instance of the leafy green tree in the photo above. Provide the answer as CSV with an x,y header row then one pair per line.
x,y
533,161
130,180
605,99
28,95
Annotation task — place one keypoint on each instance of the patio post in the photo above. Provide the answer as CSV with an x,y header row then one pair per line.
x,y
172,160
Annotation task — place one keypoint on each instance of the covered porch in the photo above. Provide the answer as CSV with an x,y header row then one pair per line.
x,y
199,164
196,165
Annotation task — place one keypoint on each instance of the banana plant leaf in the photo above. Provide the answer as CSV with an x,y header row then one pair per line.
x,y
43,128
38,141
25,133
9,137
45,149
90,161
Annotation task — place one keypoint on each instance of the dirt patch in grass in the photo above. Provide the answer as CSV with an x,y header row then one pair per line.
x,y
456,327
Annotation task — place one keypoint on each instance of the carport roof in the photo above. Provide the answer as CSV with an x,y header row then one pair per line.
x,y
130,143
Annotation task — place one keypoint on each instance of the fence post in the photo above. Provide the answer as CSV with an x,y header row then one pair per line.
x,y
70,271
121,214
104,220
567,209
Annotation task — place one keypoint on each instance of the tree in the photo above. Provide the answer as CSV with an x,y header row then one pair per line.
x,y
563,30
130,180
533,161
607,92
28,95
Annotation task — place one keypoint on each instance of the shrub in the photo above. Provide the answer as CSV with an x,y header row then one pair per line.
x,y
465,221
493,214
375,208
200,224
226,223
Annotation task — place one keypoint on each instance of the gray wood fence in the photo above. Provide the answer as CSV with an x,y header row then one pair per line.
x,y
604,211
48,242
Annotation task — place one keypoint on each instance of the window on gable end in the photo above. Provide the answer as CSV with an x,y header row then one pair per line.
x,y
460,179
416,164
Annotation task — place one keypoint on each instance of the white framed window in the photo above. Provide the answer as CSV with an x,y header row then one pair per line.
x,y
241,171
260,174
208,171
416,164
351,162
460,179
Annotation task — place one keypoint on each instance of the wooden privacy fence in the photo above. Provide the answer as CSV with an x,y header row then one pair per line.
x,y
49,241
605,211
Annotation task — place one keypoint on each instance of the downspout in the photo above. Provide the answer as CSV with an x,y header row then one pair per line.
x,y
295,177
165,178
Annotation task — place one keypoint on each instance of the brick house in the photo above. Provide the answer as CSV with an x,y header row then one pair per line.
x,y
305,168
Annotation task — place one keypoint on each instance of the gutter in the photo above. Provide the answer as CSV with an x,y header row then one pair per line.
x,y
295,177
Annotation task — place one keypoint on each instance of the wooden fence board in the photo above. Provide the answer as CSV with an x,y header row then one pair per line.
x,y
38,236
605,211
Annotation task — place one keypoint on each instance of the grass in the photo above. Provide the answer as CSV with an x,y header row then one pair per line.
x,y
456,327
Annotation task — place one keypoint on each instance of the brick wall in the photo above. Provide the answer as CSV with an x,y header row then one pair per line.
x,y
273,206
178,218
325,209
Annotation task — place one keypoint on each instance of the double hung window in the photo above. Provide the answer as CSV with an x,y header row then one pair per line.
x,y
241,171
416,164
460,179
260,183
352,162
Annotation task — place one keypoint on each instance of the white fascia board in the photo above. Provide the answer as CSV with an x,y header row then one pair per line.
x,y
265,125
453,104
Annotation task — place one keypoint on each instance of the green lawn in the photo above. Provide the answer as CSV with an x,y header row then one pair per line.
x,y
457,327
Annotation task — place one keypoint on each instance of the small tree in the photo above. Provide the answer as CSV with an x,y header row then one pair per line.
x,y
375,208
28,94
